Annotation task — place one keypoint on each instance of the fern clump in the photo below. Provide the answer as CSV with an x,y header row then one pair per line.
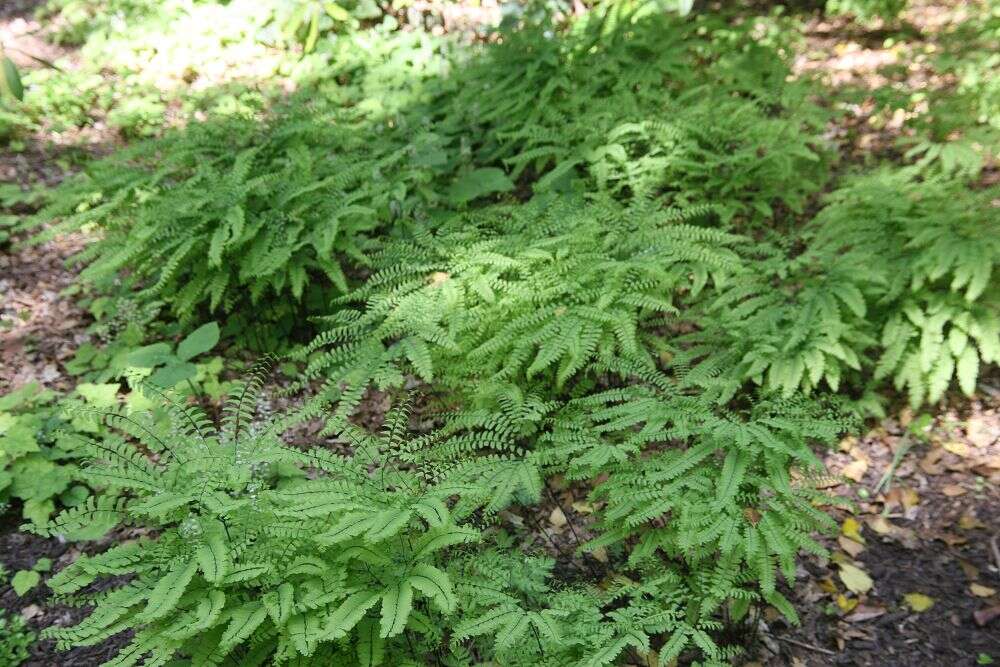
x,y
550,291
388,548
896,281
232,213
709,117
252,559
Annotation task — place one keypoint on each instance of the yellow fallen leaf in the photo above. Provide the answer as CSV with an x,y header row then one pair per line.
x,y
600,554
850,546
855,470
856,579
845,603
848,443
957,448
827,585
852,529
557,518
981,591
918,602
910,498
969,522
583,508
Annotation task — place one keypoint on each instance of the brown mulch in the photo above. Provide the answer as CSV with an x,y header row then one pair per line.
x,y
21,551
40,329
933,532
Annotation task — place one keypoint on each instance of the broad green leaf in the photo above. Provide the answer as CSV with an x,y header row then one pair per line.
x,y
349,613
242,624
100,396
479,183
24,581
173,374
968,370
371,647
304,630
199,341
213,554
149,356
12,79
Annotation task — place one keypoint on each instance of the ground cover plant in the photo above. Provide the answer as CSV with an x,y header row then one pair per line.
x,y
572,322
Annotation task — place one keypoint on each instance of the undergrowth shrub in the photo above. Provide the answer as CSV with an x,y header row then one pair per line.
x,y
550,291
235,212
267,211
15,640
896,281
710,116
391,548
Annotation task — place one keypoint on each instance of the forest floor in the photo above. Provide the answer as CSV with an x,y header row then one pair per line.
x,y
914,577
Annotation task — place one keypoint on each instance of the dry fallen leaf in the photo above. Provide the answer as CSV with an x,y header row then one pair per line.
x,y
864,613
918,602
855,470
979,431
982,591
931,463
847,443
984,616
852,548
30,612
969,522
557,518
856,579
910,498
957,448
880,525
951,539
600,554
953,490
970,570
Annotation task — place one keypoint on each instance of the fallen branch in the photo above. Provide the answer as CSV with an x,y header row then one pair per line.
x,y
795,642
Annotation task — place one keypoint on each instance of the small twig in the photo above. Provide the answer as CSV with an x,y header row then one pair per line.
x,y
818,649
572,529
901,450
548,537
996,551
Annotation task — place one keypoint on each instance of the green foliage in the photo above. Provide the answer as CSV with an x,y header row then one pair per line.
x,y
367,553
15,639
33,459
732,130
866,10
895,282
550,291
253,559
957,133
227,213
638,280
